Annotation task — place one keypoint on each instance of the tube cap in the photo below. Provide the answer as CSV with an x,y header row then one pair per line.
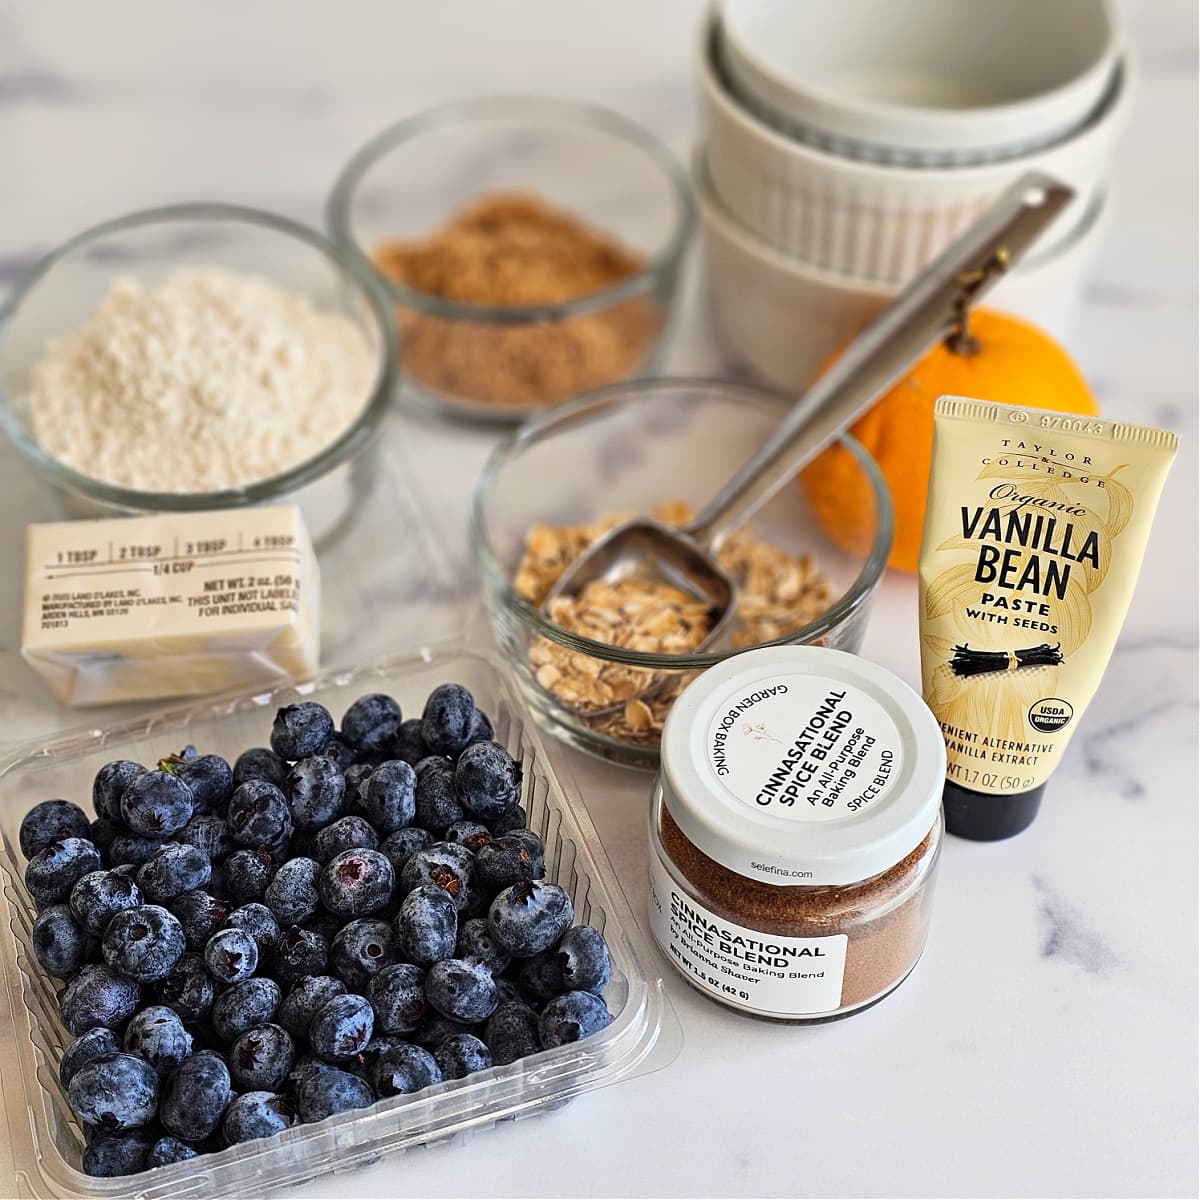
x,y
984,817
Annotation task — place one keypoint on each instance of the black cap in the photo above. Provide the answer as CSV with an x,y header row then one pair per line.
x,y
984,817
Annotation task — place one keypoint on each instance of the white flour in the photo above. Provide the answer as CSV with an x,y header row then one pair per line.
x,y
213,379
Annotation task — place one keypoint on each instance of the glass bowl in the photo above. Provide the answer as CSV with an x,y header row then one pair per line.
x,y
630,448
499,362
64,288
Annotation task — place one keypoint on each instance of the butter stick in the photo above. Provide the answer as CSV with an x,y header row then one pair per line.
x,y
181,604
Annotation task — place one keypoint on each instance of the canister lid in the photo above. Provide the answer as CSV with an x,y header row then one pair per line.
x,y
800,765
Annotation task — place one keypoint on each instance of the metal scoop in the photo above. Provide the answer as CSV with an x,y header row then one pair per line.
x,y
929,310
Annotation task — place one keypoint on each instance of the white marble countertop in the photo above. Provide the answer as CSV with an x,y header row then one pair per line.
x,y
1046,1046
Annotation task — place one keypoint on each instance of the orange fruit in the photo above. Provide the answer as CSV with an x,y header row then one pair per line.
x,y
1008,360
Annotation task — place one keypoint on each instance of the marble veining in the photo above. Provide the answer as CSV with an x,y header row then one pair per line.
x,y
1068,936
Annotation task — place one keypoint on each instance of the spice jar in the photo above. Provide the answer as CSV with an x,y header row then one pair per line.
x,y
795,831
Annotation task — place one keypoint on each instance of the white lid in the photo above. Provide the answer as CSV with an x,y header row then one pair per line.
x,y
802,765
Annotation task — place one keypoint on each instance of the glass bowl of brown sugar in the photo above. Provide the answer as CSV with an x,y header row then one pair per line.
x,y
602,671
531,249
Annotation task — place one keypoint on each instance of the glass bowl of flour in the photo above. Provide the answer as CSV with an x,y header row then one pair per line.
x,y
198,357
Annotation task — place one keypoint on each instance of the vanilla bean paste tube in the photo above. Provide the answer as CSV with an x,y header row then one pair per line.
x,y
1034,533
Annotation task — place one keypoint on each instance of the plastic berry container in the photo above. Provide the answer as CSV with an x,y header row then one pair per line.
x,y
47,1144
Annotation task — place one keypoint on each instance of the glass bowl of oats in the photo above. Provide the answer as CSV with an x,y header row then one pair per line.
x,y
602,670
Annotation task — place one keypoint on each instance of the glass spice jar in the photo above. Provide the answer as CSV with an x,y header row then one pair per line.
x,y
789,764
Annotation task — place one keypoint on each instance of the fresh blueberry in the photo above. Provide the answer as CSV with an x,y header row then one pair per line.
x,y
541,977
102,833
114,1092
340,753
512,1032
408,744
444,865
87,1046
300,1005
301,730
321,1093
448,718
437,806
371,722
175,869
169,1150
470,834
533,846
481,728
356,777
256,1114
292,895
156,804
132,849
316,789
157,1035
300,952
507,990
397,996
400,846
261,1059
461,989
402,1070
111,1155
527,918
97,995
357,883
346,833
475,943
259,922
53,871
144,943
435,1029
390,800
195,1097
341,1028
426,925
189,989
259,815
570,1017
462,1054
514,819
584,959
60,943
244,1005
51,821
208,776
247,874
487,780
360,950
260,763
210,835
109,785
502,863
231,955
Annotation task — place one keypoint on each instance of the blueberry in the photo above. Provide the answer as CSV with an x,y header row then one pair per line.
x,y
247,874
527,918
60,943
402,1070
502,863
109,785
292,894
114,1092
400,846
408,744
173,870
361,949
570,1017
260,763
316,790
444,865
261,1059
507,990
389,800
475,942
210,835
231,955
541,977
50,821
144,943
435,1029
532,845
132,849
397,996
301,730
244,1005
512,1032
346,833
357,883
87,1046
371,722
426,925
339,752
481,728
514,819
448,718
470,834
300,952
256,1114
157,1035
437,805
356,777
189,989
53,871
487,781
102,833
461,989
300,1005
258,921
341,1028
321,1093
208,776
156,804
259,814
195,1097
461,1054
97,995
110,1155
584,958
169,1150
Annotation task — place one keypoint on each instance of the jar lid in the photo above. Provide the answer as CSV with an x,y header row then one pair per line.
x,y
799,765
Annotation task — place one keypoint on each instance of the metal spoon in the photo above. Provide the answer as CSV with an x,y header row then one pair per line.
x,y
925,312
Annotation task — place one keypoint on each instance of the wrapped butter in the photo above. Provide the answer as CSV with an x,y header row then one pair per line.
x,y
179,604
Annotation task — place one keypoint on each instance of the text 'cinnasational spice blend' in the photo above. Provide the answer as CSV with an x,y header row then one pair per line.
x,y
795,832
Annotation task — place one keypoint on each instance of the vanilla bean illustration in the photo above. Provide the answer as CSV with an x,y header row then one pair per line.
x,y
966,662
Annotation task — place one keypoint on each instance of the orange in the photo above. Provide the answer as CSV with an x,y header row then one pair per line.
x,y
1006,360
